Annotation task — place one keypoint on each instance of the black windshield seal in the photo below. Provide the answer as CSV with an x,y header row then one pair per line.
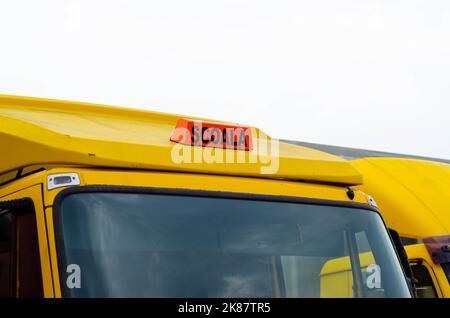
x,y
59,236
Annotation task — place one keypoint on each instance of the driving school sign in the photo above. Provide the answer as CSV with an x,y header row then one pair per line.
x,y
211,134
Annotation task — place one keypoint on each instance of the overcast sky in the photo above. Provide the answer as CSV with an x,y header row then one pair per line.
x,y
370,74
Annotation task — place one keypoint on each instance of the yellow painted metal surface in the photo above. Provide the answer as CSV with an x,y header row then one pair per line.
x,y
337,285
336,278
53,252
42,132
413,195
89,176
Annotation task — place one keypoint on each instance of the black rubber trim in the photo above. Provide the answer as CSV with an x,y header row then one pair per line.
x,y
17,205
59,237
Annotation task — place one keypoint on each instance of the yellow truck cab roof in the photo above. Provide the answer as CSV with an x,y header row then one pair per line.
x,y
413,195
412,192
40,132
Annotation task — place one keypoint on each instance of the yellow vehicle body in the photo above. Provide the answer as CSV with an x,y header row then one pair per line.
x,y
337,272
413,196
34,185
114,146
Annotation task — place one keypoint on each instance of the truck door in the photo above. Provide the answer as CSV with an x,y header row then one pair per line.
x,y
425,286
20,270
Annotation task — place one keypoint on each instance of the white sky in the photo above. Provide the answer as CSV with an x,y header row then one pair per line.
x,y
370,74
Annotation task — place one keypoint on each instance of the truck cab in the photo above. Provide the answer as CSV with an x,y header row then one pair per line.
x,y
100,201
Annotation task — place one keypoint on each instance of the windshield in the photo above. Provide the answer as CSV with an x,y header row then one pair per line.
x,y
159,245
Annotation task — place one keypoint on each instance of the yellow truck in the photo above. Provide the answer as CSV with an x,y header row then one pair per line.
x,y
100,201
413,194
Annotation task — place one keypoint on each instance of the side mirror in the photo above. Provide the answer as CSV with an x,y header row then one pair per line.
x,y
403,259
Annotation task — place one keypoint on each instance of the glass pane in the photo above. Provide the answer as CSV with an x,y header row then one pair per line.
x,y
424,286
145,245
